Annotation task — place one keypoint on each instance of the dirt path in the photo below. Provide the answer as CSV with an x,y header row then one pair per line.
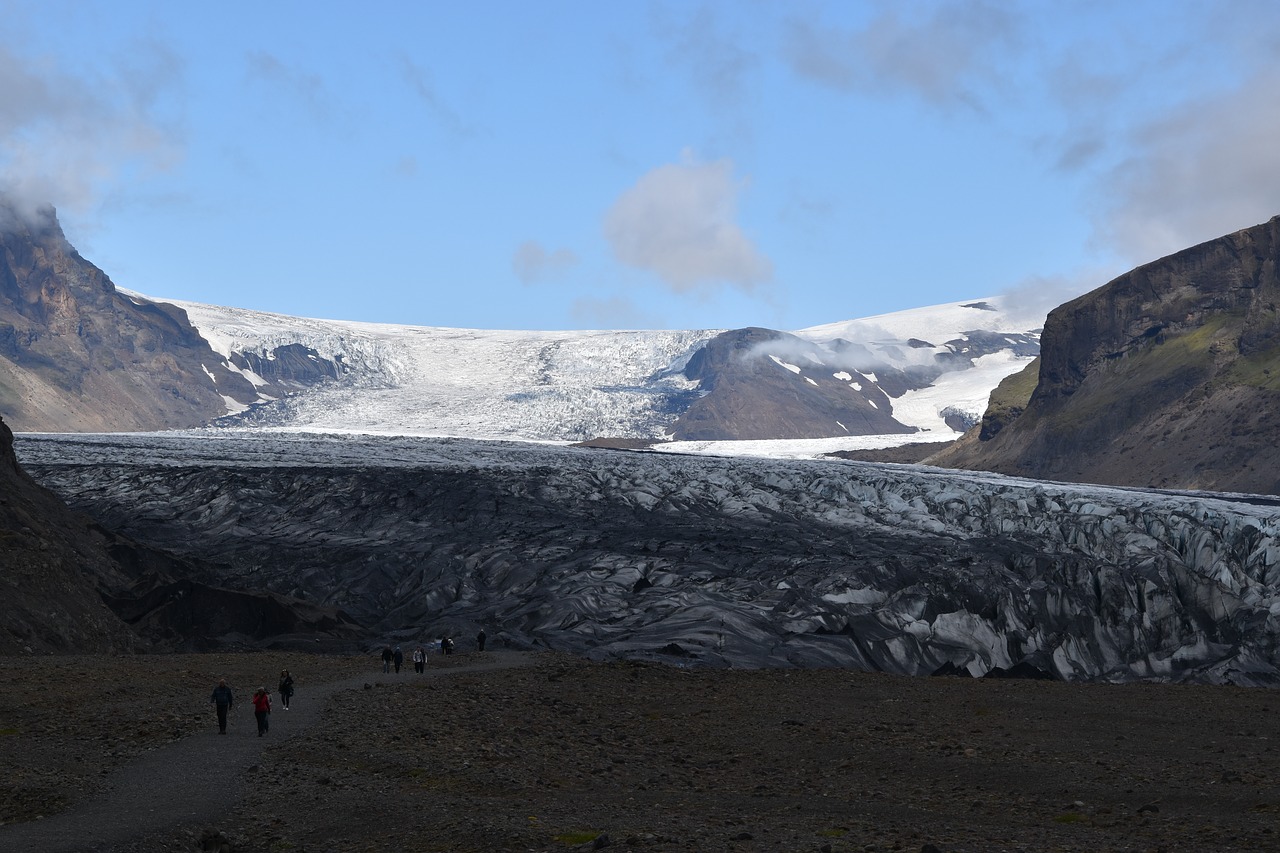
x,y
195,779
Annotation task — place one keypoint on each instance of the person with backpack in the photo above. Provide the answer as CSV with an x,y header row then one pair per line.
x,y
386,658
398,659
285,688
222,699
262,710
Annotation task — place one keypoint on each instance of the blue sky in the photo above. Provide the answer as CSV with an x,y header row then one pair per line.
x,y
560,165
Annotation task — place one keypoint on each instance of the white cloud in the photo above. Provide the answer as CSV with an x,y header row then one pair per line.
x,y
532,263
678,222
65,139
1030,301
1207,169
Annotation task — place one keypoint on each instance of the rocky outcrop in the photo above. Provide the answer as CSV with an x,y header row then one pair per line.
x,y
50,568
1164,377
749,392
291,366
78,355
714,561
71,585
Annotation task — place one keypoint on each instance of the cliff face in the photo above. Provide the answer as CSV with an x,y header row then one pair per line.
x,y
69,585
50,564
77,355
1164,377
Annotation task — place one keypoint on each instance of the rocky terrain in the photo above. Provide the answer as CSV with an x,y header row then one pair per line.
x,y
720,562
72,585
78,355
1164,377
564,755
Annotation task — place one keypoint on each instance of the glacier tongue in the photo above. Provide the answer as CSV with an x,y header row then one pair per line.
x,y
742,562
416,380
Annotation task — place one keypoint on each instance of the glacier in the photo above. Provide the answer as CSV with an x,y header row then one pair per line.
x,y
571,386
742,562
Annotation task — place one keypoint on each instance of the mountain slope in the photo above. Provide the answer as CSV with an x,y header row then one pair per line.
x,y
1166,376
71,585
76,354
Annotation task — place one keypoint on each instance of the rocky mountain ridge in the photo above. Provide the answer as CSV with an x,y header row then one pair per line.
x,y
77,354
1164,377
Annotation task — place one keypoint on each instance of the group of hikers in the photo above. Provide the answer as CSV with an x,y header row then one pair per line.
x,y
223,700
393,657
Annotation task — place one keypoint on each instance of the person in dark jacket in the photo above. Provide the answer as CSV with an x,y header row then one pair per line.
x,y
285,688
398,659
386,658
480,638
222,699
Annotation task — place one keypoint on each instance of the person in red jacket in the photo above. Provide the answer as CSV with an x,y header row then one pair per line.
x,y
262,709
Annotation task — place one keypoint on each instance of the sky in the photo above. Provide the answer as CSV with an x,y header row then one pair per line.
x,y
633,164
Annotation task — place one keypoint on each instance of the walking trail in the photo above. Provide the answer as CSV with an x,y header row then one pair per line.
x,y
193,780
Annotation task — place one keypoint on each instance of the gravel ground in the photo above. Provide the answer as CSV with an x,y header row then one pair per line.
x,y
564,754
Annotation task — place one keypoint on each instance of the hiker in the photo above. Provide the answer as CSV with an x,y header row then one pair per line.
x,y
222,699
398,658
386,658
262,709
446,645
419,659
480,638
285,688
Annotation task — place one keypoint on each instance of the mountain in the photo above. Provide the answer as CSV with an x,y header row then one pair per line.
x,y
1166,376
721,562
76,354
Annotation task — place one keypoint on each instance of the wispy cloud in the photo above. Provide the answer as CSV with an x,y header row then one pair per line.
x,y
719,64
1029,301
679,222
532,262
1208,168
65,139
305,88
421,83
945,53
